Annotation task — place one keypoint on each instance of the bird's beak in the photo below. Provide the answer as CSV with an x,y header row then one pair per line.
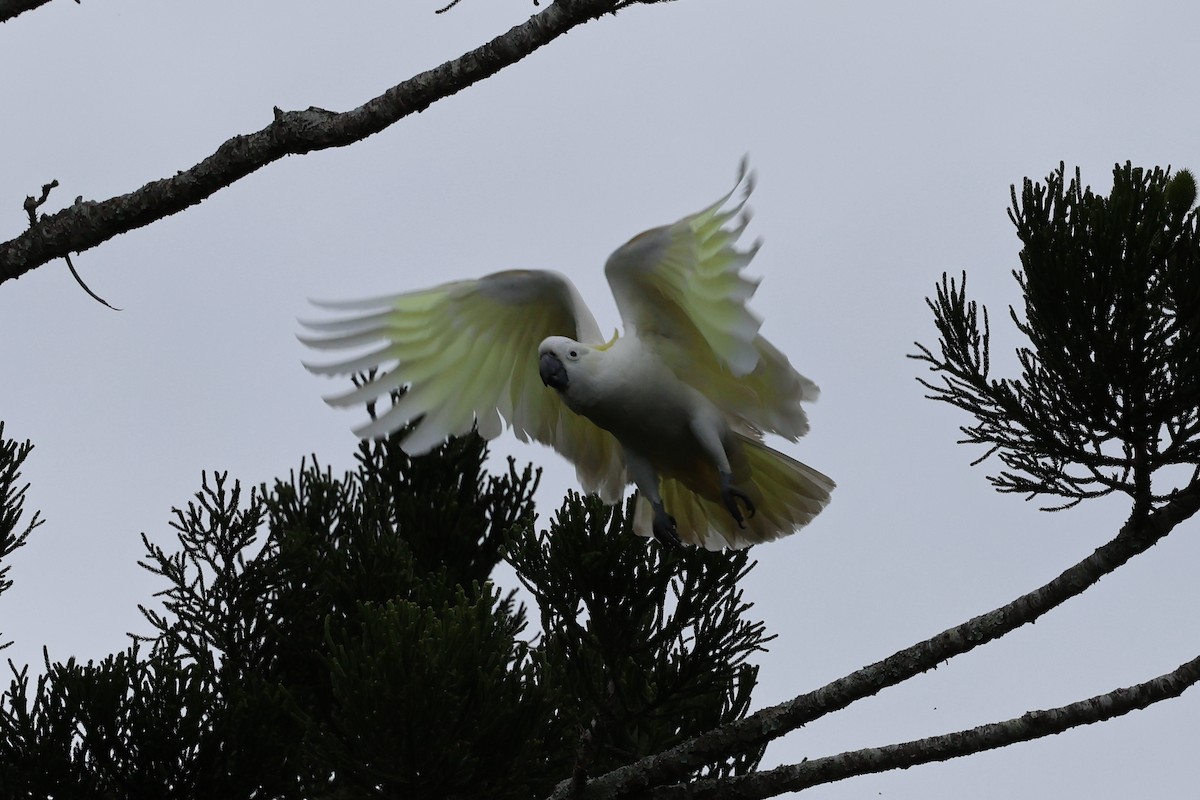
x,y
553,373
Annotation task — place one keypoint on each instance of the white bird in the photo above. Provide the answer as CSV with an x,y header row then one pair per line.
x,y
678,405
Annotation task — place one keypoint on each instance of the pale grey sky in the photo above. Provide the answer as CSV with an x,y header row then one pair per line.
x,y
885,137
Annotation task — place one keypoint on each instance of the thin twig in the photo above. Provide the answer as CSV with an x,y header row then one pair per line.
x,y
84,286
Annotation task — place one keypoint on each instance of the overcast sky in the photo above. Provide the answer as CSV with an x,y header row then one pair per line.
x,y
885,137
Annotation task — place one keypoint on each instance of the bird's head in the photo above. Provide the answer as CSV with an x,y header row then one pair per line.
x,y
558,358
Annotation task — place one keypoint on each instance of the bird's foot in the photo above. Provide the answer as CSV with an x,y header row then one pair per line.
x,y
730,495
664,528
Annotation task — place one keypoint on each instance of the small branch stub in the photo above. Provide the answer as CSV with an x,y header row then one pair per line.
x,y
33,204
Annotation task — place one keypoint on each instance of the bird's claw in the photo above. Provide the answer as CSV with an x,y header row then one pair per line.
x,y
730,495
664,528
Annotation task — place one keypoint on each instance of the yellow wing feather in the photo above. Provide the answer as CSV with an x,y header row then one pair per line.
x,y
466,355
681,289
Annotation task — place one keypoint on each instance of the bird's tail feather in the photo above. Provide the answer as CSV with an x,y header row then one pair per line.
x,y
786,494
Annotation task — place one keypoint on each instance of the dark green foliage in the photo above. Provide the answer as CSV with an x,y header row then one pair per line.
x,y
1109,391
132,727
646,646
339,637
12,502
434,702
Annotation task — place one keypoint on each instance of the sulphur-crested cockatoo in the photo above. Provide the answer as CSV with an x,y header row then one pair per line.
x,y
677,405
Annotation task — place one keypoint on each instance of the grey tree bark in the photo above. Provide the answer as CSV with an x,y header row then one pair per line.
x,y
12,8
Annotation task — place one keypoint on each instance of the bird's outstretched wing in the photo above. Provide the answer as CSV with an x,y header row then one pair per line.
x,y
467,355
681,290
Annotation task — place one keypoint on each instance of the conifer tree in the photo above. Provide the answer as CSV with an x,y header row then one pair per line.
x,y
341,637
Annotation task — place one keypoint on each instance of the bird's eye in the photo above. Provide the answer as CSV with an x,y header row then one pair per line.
x,y
573,354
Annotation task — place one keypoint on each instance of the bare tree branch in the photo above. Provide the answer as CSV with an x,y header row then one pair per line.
x,y
89,223
13,8
1029,726
1136,536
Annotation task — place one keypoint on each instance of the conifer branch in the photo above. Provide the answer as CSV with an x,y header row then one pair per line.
x,y
1135,537
86,224
12,505
1108,391
1028,727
